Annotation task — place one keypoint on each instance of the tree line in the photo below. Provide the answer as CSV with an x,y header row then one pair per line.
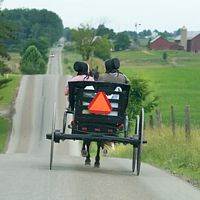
x,y
100,41
30,32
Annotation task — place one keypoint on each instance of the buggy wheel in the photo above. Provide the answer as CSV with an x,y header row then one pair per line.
x,y
126,126
52,136
64,122
134,158
141,133
135,149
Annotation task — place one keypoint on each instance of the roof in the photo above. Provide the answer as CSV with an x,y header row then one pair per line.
x,y
190,35
156,38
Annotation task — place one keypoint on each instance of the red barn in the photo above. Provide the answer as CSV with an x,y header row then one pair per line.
x,y
192,44
160,43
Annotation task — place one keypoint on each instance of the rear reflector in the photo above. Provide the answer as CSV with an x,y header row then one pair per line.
x,y
100,104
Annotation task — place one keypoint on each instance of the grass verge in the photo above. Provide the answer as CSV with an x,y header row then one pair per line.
x,y
7,96
172,153
4,129
8,91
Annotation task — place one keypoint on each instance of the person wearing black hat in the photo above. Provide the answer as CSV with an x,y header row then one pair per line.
x,y
112,73
82,70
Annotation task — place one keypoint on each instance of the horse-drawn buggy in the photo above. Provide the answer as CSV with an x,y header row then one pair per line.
x,y
99,115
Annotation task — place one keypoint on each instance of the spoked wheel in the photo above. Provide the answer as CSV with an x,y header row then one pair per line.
x,y
134,159
141,134
64,122
52,137
126,126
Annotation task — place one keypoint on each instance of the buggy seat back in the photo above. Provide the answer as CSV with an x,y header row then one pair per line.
x,y
81,94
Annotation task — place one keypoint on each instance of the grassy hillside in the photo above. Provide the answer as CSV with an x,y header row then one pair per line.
x,y
8,91
69,57
176,81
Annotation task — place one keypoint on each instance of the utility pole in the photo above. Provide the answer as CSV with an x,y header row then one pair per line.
x,y
137,25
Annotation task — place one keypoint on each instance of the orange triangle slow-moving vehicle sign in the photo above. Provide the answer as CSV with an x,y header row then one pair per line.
x,y
100,104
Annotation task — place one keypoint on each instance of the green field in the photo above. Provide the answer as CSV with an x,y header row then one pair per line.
x,y
176,81
8,92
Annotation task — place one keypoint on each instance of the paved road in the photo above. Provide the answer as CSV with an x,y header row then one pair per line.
x,y
24,169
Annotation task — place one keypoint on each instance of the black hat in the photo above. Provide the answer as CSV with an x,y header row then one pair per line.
x,y
81,67
112,64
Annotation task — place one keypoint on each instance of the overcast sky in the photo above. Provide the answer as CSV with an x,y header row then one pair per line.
x,y
121,14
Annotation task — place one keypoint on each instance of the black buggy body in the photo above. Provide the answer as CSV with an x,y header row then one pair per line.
x,y
99,110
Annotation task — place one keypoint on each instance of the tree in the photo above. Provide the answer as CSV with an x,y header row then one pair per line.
x,y
102,48
67,34
145,33
6,32
32,62
84,38
42,45
104,31
140,97
122,42
34,24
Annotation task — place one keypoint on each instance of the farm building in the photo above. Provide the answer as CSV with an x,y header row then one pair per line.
x,y
190,40
160,43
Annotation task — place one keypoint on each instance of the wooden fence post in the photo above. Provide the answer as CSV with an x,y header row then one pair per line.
x,y
187,122
151,121
173,123
158,118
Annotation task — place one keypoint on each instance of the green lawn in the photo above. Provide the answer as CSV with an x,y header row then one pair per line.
x,y
8,92
176,81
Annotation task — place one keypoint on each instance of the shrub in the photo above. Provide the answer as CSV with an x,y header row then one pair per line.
x,y
165,56
32,62
140,97
102,49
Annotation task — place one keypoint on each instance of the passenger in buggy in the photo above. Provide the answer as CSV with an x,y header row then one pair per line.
x,y
83,74
112,73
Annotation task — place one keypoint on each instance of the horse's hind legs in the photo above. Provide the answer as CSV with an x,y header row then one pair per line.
x,y
97,158
87,160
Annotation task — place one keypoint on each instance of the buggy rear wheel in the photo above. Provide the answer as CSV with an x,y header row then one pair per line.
x,y
134,159
52,136
141,134
64,122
